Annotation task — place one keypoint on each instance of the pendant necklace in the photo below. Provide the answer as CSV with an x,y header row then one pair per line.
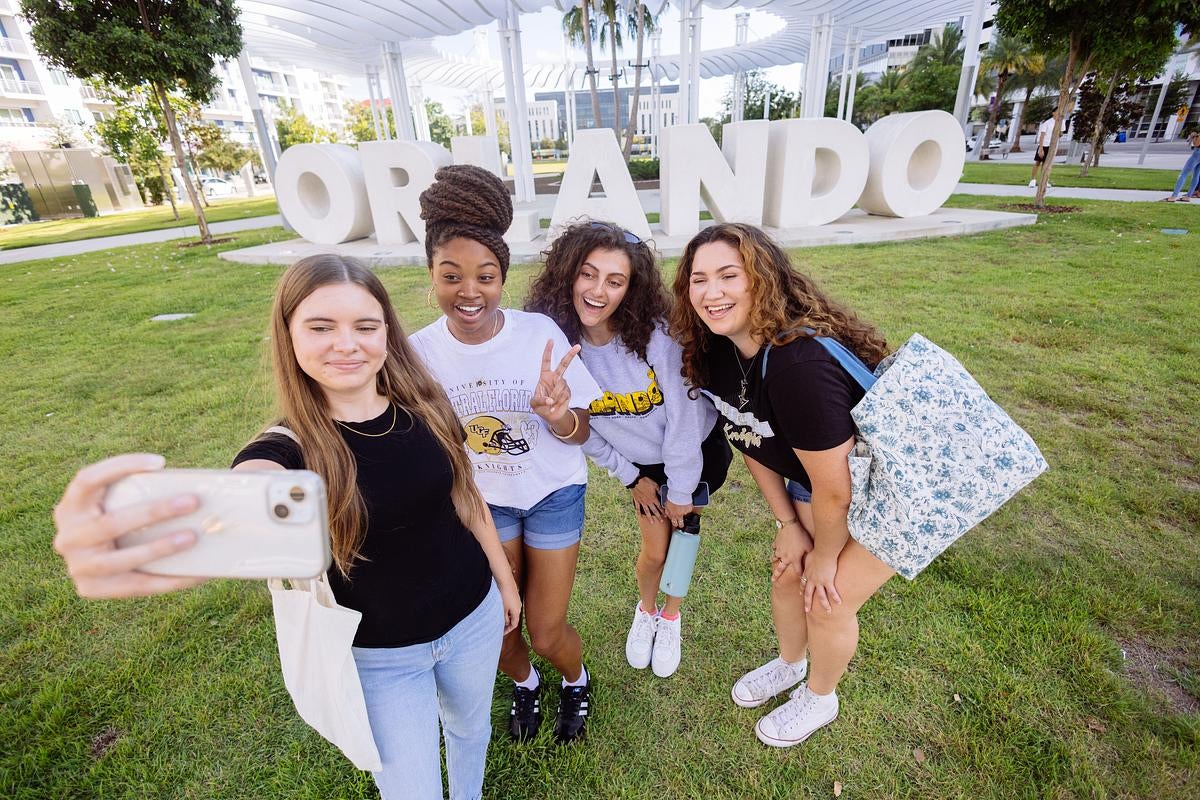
x,y
741,398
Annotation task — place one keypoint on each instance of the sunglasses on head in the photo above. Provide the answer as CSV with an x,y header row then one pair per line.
x,y
629,237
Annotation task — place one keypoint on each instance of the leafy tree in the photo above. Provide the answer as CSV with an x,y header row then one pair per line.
x,y
715,127
944,49
158,44
1043,73
640,20
885,96
1103,108
134,133
62,134
579,25
931,79
292,127
441,127
612,24
216,150
1005,57
784,104
1088,30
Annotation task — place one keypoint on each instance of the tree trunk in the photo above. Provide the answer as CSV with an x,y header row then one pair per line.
x,y
639,8
167,193
191,160
612,30
585,8
1098,131
177,146
992,117
1065,92
1016,145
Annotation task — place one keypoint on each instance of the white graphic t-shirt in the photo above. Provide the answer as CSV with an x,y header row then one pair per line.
x,y
518,461
1046,132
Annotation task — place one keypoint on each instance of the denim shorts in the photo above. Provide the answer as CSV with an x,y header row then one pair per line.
x,y
555,522
797,492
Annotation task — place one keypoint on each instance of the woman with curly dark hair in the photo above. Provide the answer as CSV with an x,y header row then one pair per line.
x,y
746,321
602,286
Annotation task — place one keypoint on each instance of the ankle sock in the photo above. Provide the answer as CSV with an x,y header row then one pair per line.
x,y
670,618
532,681
642,608
580,681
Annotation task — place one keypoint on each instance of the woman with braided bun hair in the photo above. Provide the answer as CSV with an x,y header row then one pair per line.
x,y
522,397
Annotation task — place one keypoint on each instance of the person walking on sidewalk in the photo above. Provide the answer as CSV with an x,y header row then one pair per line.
x,y
1041,152
1190,174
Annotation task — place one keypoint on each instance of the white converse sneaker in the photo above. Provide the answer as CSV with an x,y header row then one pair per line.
x,y
666,646
640,641
797,719
759,685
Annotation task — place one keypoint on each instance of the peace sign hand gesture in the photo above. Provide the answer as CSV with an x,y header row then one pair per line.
x,y
552,398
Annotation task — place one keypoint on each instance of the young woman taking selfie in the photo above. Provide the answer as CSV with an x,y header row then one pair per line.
x,y
415,550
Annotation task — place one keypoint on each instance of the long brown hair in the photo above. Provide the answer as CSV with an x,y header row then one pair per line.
x,y
783,302
403,379
644,307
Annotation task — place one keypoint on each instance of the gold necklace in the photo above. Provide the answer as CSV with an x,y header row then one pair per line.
x,y
373,435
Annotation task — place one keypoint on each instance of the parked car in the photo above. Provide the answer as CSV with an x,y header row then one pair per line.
x,y
995,144
216,187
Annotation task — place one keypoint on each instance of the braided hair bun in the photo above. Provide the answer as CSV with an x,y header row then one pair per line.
x,y
467,201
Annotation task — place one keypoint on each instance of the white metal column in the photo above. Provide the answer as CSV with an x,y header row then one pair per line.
x,y
853,80
973,30
816,68
420,115
568,92
694,51
401,108
685,72
518,115
373,95
845,73
655,93
739,78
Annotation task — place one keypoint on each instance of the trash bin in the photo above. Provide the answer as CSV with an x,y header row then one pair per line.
x,y
1120,137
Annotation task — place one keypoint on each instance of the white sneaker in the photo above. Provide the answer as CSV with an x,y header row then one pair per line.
x,y
797,719
1033,184
640,641
759,685
666,646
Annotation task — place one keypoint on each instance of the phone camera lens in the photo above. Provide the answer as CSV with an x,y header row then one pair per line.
x,y
296,494
282,511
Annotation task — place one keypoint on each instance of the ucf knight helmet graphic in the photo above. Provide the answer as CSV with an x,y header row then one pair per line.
x,y
487,435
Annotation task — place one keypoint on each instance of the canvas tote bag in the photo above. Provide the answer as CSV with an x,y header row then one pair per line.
x,y
934,455
315,635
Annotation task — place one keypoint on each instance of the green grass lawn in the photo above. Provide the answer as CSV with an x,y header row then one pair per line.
x,y
1053,652
70,230
1068,175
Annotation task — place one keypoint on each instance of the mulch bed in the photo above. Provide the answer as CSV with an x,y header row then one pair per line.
x,y
1036,209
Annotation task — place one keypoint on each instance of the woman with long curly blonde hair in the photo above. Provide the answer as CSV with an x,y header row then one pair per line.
x,y
746,321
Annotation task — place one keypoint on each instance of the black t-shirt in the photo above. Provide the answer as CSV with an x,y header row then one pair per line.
x,y
803,403
421,570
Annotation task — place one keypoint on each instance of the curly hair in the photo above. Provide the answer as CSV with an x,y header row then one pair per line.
x,y
783,303
646,303
470,202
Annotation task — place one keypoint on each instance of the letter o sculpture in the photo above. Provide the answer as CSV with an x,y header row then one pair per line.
x,y
916,161
322,194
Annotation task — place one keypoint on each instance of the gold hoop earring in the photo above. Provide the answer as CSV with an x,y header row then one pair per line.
x,y
429,297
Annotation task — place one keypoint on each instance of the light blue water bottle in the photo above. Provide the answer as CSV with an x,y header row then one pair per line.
x,y
681,557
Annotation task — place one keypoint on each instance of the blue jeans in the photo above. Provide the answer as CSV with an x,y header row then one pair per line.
x,y
407,689
797,492
1190,169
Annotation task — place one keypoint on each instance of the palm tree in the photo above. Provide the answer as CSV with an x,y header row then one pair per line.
x,y
611,27
1006,56
945,49
1041,72
640,18
580,29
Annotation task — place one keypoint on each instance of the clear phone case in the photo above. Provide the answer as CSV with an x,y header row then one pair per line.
x,y
271,524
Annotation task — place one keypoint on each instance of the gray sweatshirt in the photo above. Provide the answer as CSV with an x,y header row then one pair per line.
x,y
644,415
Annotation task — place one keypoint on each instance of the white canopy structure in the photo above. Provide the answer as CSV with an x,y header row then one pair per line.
x,y
391,42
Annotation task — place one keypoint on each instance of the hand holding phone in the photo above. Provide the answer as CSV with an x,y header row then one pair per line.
x,y
248,524
86,534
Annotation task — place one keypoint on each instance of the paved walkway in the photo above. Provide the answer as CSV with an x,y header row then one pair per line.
x,y
129,239
545,203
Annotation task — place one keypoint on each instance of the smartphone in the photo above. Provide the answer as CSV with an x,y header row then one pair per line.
x,y
271,524
700,497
